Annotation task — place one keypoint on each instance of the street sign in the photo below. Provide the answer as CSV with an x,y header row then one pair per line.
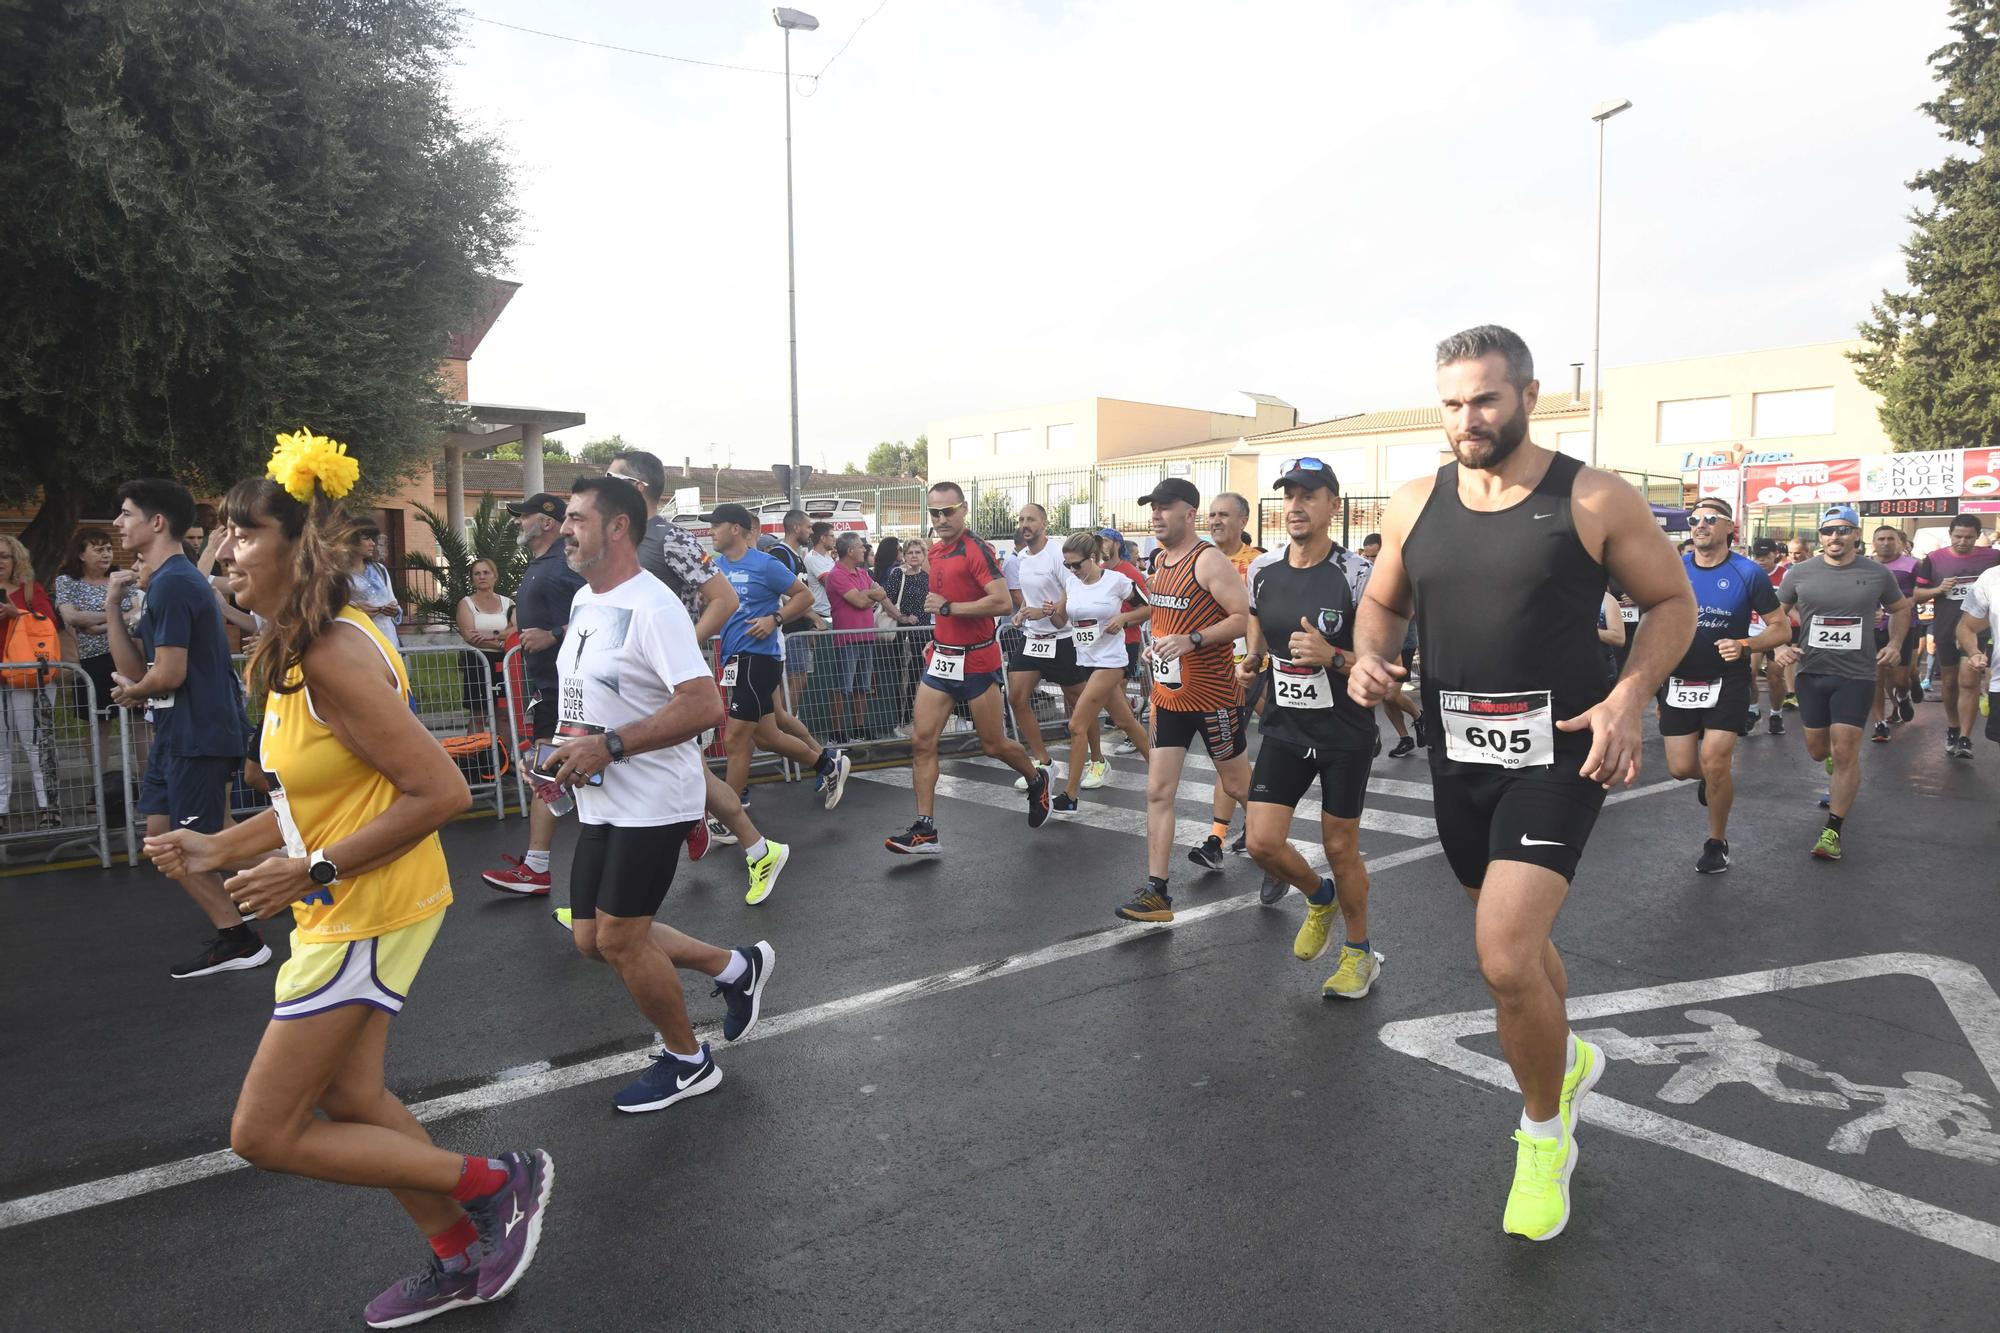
x,y
1929,1112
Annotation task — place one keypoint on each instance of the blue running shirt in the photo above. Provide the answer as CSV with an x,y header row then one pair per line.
x,y
1724,598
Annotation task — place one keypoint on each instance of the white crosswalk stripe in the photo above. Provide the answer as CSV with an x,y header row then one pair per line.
x,y
1378,821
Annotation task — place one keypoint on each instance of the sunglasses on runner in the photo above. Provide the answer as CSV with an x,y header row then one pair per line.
x,y
1836,530
1072,564
948,510
1707,518
1302,465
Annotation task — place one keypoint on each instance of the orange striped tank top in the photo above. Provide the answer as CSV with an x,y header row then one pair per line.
x,y
1206,679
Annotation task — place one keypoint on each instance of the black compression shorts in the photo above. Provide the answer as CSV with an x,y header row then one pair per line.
x,y
1061,669
1542,816
1826,701
755,693
1222,730
624,871
1730,712
1285,773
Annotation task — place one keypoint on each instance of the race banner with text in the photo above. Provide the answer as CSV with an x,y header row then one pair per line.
x,y
1912,476
1836,481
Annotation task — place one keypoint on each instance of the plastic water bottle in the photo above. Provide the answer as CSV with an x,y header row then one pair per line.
x,y
558,798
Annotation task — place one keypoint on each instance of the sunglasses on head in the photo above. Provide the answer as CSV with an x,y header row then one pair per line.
x,y
947,511
1835,530
1303,465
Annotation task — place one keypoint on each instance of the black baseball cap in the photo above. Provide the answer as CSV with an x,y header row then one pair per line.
x,y
541,502
1306,472
1170,489
1766,546
732,513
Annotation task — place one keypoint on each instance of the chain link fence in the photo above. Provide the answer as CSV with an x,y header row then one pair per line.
x,y
53,796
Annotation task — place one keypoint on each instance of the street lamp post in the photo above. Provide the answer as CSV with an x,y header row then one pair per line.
x,y
1601,113
788,19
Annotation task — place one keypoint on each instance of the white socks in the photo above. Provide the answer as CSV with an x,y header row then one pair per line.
x,y
1542,1129
1571,1064
537,861
755,852
738,965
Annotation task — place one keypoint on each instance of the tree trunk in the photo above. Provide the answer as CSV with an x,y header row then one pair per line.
x,y
47,535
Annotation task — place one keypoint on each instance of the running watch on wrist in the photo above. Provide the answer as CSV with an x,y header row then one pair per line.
x,y
1195,638
616,746
945,610
322,871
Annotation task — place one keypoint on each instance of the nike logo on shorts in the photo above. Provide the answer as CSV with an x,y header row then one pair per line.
x,y
1527,841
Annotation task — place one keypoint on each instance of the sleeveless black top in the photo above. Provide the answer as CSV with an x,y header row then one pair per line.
x,y
1508,601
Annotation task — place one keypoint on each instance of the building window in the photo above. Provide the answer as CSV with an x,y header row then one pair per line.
x,y
1063,436
967,446
1693,421
1792,412
1008,443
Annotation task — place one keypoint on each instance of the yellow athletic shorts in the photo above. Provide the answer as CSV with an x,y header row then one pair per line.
x,y
378,971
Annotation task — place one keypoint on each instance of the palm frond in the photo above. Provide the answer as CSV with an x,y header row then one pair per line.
x,y
491,537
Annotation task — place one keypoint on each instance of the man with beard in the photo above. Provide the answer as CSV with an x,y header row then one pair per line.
x,y
1200,607
1706,703
1504,556
541,610
1892,684
1047,652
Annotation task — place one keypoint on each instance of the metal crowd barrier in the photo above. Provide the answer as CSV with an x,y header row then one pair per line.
x,y
55,801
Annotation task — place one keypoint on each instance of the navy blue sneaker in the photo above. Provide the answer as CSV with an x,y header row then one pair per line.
x,y
1063,806
745,995
671,1079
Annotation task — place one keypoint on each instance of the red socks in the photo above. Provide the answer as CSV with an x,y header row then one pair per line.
x,y
479,1177
451,1244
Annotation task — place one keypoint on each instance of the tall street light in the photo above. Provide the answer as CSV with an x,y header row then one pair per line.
x,y
1601,113
789,19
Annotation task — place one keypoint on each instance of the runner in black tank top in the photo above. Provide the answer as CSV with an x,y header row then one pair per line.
x,y
1505,555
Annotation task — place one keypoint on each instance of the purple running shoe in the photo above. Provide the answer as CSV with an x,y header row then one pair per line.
x,y
417,1298
510,1221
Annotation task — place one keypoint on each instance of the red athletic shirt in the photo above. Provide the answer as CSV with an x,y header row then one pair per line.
x,y
1130,571
960,571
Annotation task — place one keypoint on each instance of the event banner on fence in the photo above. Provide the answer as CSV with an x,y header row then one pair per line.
x,y
1836,481
1982,473
1912,476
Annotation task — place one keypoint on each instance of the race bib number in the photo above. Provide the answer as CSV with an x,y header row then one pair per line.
x,y
281,806
1692,694
1242,650
947,665
1628,614
1043,649
1756,624
1167,673
1296,685
1085,633
1505,730
1834,633
729,673
1958,590
160,702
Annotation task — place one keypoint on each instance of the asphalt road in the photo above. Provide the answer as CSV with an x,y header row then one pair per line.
x,y
1070,1122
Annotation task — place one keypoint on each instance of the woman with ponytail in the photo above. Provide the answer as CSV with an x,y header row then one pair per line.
x,y
359,789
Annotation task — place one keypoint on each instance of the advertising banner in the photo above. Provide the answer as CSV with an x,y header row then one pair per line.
x,y
1834,481
1911,476
1724,483
1981,474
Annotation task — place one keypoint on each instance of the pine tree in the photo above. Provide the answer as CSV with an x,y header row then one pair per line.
x,y
1934,350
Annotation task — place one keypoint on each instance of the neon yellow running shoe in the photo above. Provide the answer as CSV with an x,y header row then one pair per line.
x,y
1313,935
764,871
1578,1082
1356,973
1828,846
1538,1205
564,919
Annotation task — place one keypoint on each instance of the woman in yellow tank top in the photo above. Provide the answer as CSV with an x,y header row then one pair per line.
x,y
350,848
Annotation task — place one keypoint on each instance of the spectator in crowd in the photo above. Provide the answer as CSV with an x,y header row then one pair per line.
x,y
80,587
373,595
27,716
801,541
907,585
887,556
484,618
854,593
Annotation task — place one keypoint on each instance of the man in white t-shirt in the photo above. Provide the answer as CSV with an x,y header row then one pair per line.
x,y
635,693
1034,575
1975,618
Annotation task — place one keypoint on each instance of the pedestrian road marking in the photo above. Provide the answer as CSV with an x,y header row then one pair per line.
x,y
1964,989
1372,819
540,1081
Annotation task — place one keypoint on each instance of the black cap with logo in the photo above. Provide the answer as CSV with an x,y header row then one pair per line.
x,y
541,502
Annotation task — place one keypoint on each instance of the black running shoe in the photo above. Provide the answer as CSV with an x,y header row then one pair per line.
x,y
1906,708
1964,748
1209,855
1147,905
921,840
1038,799
1777,723
1241,847
1063,806
1272,891
223,955
1404,749
1881,733
1714,857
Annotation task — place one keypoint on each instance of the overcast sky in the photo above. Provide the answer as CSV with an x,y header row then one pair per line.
x,y
1006,204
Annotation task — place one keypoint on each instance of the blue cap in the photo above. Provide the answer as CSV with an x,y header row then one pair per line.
x,y
1845,513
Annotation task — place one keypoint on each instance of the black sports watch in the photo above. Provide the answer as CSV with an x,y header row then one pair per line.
x,y
322,871
1195,638
616,746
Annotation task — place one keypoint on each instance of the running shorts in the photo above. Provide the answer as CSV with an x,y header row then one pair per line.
x,y
1947,645
624,870
964,691
377,971
1730,712
1062,669
1540,816
1223,730
1285,773
192,791
1826,701
757,676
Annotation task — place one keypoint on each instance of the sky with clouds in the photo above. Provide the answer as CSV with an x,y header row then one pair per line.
x,y
1003,204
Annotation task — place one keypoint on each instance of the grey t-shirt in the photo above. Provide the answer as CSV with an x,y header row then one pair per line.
x,y
1837,606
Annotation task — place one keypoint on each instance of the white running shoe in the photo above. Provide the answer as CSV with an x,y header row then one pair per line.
x,y
1095,774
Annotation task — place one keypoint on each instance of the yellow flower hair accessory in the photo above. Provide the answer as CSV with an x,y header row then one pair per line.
x,y
302,458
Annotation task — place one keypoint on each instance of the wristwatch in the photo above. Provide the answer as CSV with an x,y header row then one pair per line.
x,y
616,746
322,871
1195,638
945,610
